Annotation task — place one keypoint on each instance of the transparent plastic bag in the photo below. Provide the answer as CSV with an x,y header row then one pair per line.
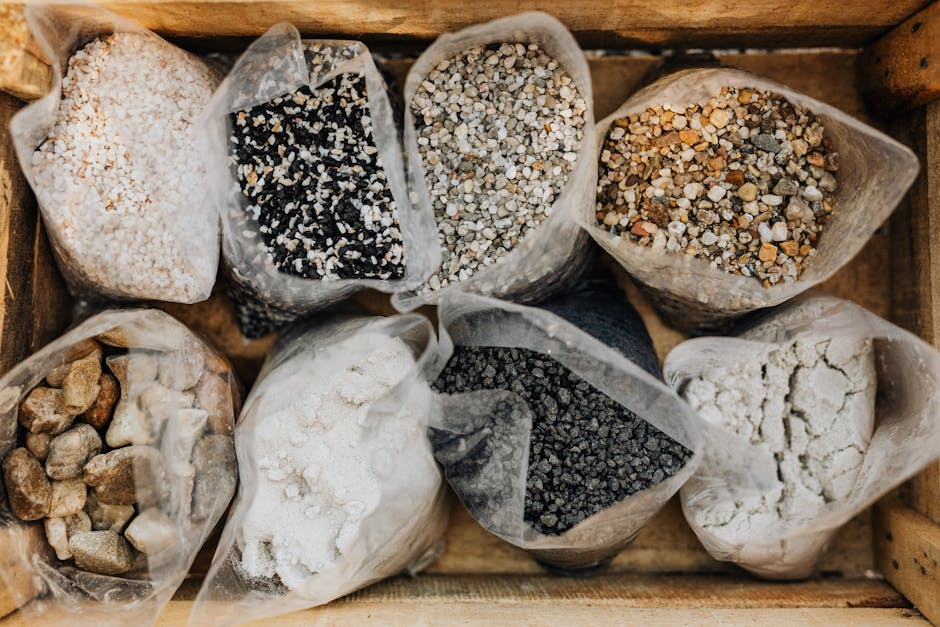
x,y
400,523
274,65
159,474
898,417
552,256
483,441
127,210
874,174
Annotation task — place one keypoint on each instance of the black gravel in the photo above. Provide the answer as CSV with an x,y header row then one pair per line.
x,y
587,452
316,187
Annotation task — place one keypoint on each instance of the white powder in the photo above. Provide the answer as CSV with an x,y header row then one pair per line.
x,y
323,466
119,176
811,405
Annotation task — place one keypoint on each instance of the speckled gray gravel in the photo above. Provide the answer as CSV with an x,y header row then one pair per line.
x,y
499,128
586,451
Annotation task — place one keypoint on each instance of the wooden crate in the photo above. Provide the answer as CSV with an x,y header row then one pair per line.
x,y
880,62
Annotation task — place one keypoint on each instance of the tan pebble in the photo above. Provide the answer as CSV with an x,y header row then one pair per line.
x,y
622,122
102,552
716,163
40,413
720,118
181,370
70,451
129,425
767,252
116,337
688,136
104,516
68,497
790,248
612,218
82,349
56,376
747,192
126,475
80,388
38,445
215,475
101,410
117,364
745,96
151,532
28,488
701,146
666,139
805,250
57,536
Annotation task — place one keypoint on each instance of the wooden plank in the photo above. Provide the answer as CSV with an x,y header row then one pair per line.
x,y
908,553
620,599
915,264
670,23
902,68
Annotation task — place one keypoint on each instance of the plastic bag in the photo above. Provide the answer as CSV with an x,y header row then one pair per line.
x,y
156,476
124,202
874,175
269,295
351,397
484,440
553,255
882,431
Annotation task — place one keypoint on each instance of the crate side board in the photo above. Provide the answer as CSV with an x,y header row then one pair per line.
x,y
907,552
902,68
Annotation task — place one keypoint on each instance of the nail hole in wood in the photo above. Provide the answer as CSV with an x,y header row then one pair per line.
x,y
923,63
916,26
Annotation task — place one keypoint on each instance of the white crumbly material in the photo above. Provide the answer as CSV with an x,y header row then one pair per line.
x,y
322,467
119,177
811,405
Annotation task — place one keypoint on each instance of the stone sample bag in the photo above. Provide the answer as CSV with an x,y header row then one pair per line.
x,y
835,406
753,230
112,154
557,432
499,121
339,486
117,448
309,180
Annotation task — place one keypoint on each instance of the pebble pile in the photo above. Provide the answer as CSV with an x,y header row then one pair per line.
x,y
587,452
498,129
107,196
104,438
744,181
316,189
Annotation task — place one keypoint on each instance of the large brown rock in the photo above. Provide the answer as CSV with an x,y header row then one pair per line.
x,y
102,552
125,476
80,388
70,451
99,414
28,488
21,546
40,413
84,348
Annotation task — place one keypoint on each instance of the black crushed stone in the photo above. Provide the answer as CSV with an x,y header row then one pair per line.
x,y
587,452
316,187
